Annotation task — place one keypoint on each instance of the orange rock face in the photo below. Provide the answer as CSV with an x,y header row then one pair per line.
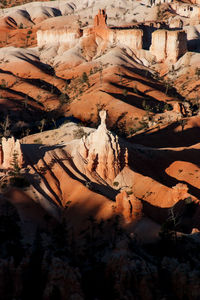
x,y
100,19
129,206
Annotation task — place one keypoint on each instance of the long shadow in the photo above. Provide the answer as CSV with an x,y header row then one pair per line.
x,y
35,181
194,45
39,151
6,72
25,96
49,167
167,137
154,84
129,99
26,15
70,160
47,69
49,189
154,165
44,85
38,83
181,210
11,22
151,100
104,190
136,101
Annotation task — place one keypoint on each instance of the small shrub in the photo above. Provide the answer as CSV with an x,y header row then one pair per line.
x,y
38,141
79,133
85,79
129,192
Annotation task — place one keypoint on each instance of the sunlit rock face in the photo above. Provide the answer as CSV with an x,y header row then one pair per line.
x,y
131,38
10,149
128,206
168,45
102,153
62,36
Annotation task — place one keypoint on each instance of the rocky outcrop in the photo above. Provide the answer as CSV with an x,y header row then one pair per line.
x,y
10,150
131,38
169,45
176,45
64,36
102,153
128,206
176,23
187,10
180,192
100,19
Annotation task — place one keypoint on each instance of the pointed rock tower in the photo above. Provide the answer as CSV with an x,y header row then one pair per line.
x,y
8,150
102,152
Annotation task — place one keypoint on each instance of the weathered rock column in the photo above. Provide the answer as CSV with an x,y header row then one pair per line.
x,y
103,153
9,148
168,44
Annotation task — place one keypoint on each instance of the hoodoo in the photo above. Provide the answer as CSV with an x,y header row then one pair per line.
x,y
9,149
102,153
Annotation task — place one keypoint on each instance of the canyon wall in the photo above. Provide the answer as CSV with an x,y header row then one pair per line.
x,y
165,44
158,46
168,45
63,36
131,38
176,45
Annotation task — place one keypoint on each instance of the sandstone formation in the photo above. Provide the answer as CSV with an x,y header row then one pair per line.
x,y
100,19
67,37
180,192
169,45
128,206
131,38
165,44
95,221
187,10
102,153
10,150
